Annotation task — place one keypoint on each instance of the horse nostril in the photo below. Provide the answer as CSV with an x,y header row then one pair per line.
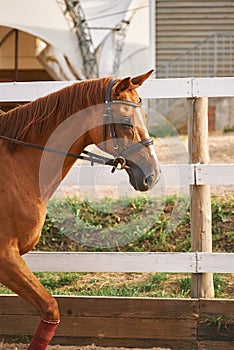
x,y
149,181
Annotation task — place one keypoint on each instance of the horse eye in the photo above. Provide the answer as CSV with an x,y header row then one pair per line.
x,y
127,122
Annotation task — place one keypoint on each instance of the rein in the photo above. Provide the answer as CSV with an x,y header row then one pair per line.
x,y
118,162
91,157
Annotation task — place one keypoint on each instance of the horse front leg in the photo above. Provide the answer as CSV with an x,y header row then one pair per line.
x,y
15,275
43,335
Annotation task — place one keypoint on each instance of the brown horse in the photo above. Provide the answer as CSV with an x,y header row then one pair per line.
x,y
104,112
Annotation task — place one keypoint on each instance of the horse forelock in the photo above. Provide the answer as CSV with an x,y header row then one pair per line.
x,y
38,117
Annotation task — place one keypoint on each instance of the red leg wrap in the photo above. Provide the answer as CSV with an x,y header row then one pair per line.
x,y
43,335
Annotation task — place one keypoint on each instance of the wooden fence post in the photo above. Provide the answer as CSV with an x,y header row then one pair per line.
x,y
200,207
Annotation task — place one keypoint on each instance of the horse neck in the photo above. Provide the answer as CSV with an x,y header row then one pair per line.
x,y
70,132
47,122
62,105
36,121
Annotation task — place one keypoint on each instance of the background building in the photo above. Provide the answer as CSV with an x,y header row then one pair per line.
x,y
80,39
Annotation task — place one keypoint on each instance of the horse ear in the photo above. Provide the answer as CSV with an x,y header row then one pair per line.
x,y
139,80
123,85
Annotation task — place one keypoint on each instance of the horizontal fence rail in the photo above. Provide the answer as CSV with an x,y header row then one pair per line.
x,y
152,88
183,324
194,262
171,174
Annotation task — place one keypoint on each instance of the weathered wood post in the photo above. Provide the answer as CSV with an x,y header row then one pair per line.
x,y
200,205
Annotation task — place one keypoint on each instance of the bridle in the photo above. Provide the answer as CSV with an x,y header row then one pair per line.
x,y
119,161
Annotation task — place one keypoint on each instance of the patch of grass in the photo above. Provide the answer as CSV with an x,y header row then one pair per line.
x,y
131,224
5,290
155,285
221,286
218,322
229,129
223,224
113,284
56,281
130,284
184,285
164,129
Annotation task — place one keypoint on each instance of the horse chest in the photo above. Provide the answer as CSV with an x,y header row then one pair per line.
x,y
21,217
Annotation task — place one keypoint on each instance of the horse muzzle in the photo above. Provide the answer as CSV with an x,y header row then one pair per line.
x,y
142,178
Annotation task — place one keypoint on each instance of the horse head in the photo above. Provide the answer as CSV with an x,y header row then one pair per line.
x,y
124,133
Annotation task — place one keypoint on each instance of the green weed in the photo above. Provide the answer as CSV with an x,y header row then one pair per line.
x,y
218,321
138,224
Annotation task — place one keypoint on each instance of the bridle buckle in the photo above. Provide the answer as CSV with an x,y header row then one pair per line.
x,y
119,163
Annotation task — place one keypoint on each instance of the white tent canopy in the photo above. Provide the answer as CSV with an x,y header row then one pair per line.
x,y
135,56
41,18
45,20
103,14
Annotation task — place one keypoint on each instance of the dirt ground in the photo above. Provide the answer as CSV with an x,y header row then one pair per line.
x,y
221,151
221,148
172,150
57,347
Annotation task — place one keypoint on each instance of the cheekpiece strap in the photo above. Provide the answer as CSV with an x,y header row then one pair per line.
x,y
108,93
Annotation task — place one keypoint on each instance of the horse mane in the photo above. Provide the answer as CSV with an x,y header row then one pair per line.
x,y
37,117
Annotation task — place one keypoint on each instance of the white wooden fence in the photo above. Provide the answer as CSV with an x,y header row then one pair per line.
x,y
186,174
171,174
154,88
195,262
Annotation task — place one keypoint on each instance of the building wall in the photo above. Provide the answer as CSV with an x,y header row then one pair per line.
x,y
182,24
